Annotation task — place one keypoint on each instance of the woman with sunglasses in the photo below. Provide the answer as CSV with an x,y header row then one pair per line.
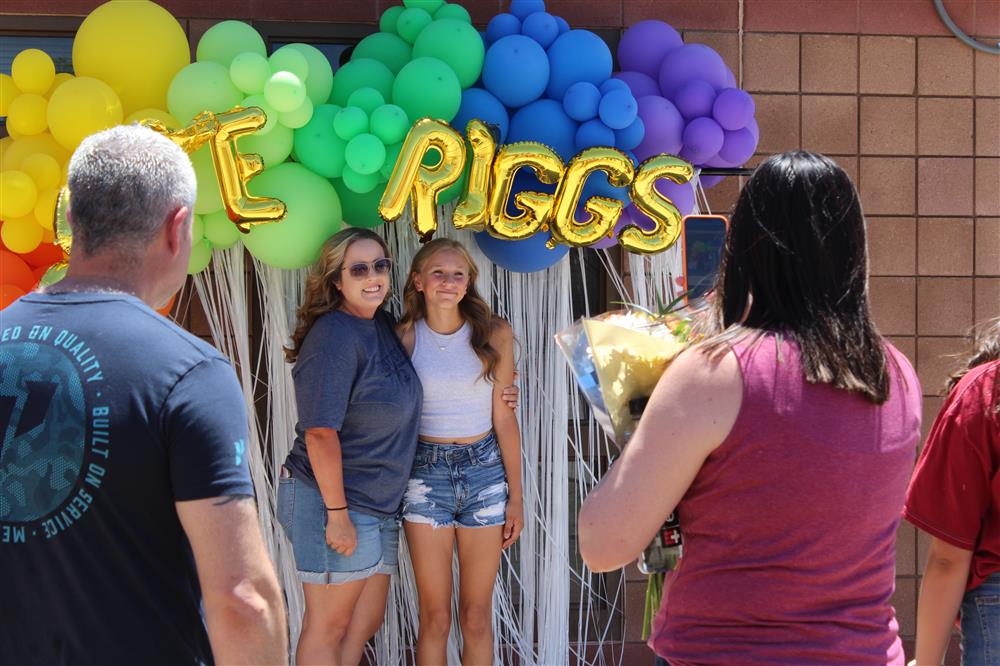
x,y
465,488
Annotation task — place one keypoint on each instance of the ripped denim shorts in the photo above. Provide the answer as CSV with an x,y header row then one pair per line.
x,y
460,485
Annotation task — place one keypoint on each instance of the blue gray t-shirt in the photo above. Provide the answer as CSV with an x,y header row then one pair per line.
x,y
109,414
354,376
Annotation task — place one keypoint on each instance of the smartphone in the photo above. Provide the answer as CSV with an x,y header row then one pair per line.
x,y
702,239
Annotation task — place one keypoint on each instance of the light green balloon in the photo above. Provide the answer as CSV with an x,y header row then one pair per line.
x,y
388,48
360,73
314,214
320,79
55,273
390,124
224,41
201,255
317,146
387,23
249,72
284,91
427,88
274,148
288,59
209,197
360,210
220,231
411,22
350,122
365,154
299,117
366,99
360,183
197,228
453,10
261,103
457,44
201,86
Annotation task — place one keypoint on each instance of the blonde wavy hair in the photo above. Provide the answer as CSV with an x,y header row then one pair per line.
x,y
473,307
321,293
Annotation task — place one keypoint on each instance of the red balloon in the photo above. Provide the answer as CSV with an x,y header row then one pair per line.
x,y
13,271
43,256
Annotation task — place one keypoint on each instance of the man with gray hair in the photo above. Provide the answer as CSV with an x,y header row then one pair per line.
x,y
128,526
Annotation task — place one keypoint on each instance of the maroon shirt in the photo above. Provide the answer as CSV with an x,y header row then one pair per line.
x,y
955,491
790,525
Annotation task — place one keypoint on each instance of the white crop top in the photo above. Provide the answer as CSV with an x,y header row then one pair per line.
x,y
458,401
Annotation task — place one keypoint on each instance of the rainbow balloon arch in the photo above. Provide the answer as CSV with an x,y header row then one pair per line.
x,y
494,138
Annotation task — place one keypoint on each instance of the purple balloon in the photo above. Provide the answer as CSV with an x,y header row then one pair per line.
x,y
640,84
689,62
681,195
702,140
644,46
733,109
730,79
664,127
737,147
695,98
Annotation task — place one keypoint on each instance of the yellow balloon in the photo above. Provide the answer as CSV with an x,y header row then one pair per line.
x,y
21,235
8,91
45,208
48,236
61,78
82,107
136,47
472,209
17,195
158,115
648,199
43,169
26,114
601,212
536,207
19,149
33,71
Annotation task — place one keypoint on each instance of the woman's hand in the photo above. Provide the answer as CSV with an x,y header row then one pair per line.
x,y
340,533
513,523
511,394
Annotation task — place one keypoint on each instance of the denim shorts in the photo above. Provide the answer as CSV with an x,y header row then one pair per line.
x,y
302,514
981,624
459,485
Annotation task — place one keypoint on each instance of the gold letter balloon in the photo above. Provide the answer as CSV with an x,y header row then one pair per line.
x,y
655,205
602,212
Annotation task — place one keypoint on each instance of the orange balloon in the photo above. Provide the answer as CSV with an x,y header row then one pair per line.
x,y
165,310
42,256
9,293
14,271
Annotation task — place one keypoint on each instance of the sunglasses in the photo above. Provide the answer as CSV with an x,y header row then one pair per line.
x,y
361,270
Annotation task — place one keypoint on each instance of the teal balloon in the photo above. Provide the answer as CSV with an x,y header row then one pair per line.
x,y
389,123
360,73
224,41
318,147
220,231
387,23
197,227
249,72
359,182
314,214
284,91
388,48
366,99
411,22
457,44
320,79
453,10
350,122
201,86
201,255
299,117
209,197
391,157
427,88
365,154
359,210
261,103
274,148
288,59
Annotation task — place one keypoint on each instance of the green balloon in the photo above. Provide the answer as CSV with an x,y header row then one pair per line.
x,y
317,146
391,157
360,73
220,231
365,154
453,10
360,210
287,59
201,86
261,103
284,91
249,72
209,197
224,41
387,23
201,255
360,183
197,228
320,79
386,47
455,190
274,148
457,44
390,124
299,117
366,99
427,88
350,122
314,214
411,22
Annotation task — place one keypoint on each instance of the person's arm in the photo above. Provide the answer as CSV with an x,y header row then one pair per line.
x,y
244,609
941,591
323,447
691,411
507,432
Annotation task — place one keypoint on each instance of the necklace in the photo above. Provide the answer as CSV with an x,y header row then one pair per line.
x,y
442,340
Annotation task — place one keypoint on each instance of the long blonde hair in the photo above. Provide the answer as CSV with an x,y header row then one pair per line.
x,y
321,293
473,307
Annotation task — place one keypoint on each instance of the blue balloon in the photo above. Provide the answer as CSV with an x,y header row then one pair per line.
x,y
524,256
522,9
613,84
594,133
541,27
631,136
578,55
618,108
582,101
597,185
479,103
562,23
500,26
516,70
545,121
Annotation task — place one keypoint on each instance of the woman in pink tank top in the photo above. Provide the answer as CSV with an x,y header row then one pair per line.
x,y
785,442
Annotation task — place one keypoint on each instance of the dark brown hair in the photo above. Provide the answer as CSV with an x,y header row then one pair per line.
x,y
986,348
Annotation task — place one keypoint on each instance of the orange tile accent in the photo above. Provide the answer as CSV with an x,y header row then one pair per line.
x,y
988,246
893,304
944,66
771,63
830,124
987,68
945,246
887,185
722,196
907,345
726,44
887,65
778,117
683,14
932,405
944,306
988,127
888,126
830,63
936,361
987,299
944,126
802,16
945,186
988,186
892,245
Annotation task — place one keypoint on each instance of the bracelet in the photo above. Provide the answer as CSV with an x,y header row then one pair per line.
x,y
339,508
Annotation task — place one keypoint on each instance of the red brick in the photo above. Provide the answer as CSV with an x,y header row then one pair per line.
x,y
341,11
802,16
585,13
909,17
684,14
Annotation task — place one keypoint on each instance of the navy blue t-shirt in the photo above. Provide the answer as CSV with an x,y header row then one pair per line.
x,y
354,376
110,414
